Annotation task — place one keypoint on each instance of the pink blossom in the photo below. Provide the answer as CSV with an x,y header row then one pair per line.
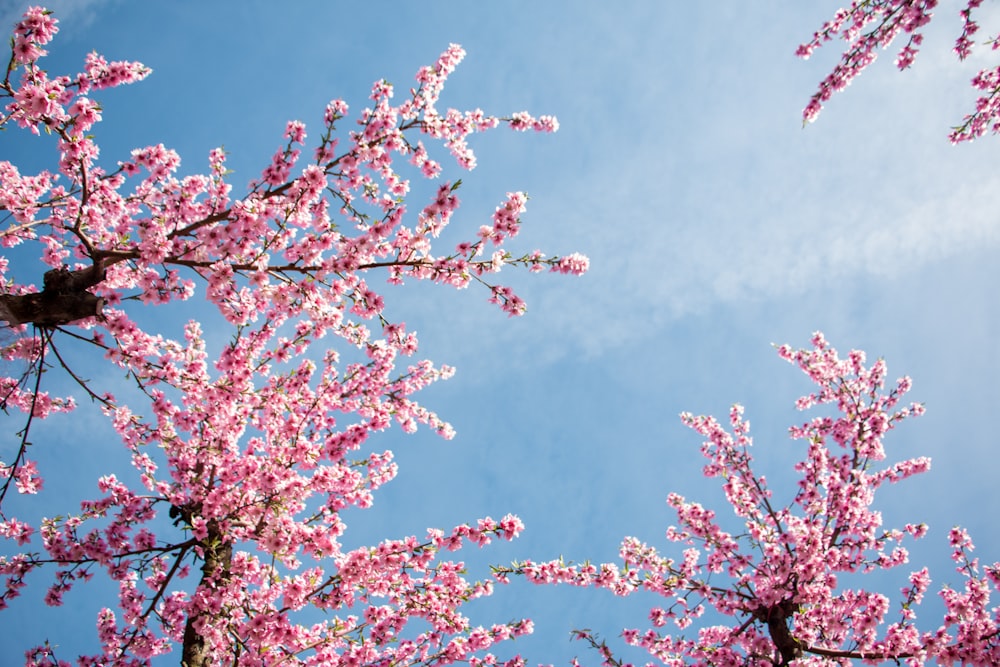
x,y
787,584
869,27
574,264
249,446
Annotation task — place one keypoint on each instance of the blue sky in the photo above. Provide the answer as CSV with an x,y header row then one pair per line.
x,y
716,225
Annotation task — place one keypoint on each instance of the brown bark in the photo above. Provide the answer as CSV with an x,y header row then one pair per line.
x,y
64,299
215,572
47,309
776,618
64,280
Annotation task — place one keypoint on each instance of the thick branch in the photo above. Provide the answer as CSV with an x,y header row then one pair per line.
x,y
47,309
64,299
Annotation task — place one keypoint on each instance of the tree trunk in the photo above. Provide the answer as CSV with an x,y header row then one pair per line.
x,y
777,617
215,572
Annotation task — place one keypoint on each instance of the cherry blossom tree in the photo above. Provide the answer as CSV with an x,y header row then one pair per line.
x,y
781,585
247,456
868,26
228,545
780,589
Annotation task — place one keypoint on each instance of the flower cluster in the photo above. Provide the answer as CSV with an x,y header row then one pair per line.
x,y
782,588
254,451
869,27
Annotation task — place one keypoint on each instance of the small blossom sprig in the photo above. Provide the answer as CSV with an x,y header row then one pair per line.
x,y
781,589
868,26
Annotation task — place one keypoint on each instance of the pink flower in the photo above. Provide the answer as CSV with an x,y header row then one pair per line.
x,y
249,452
574,264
